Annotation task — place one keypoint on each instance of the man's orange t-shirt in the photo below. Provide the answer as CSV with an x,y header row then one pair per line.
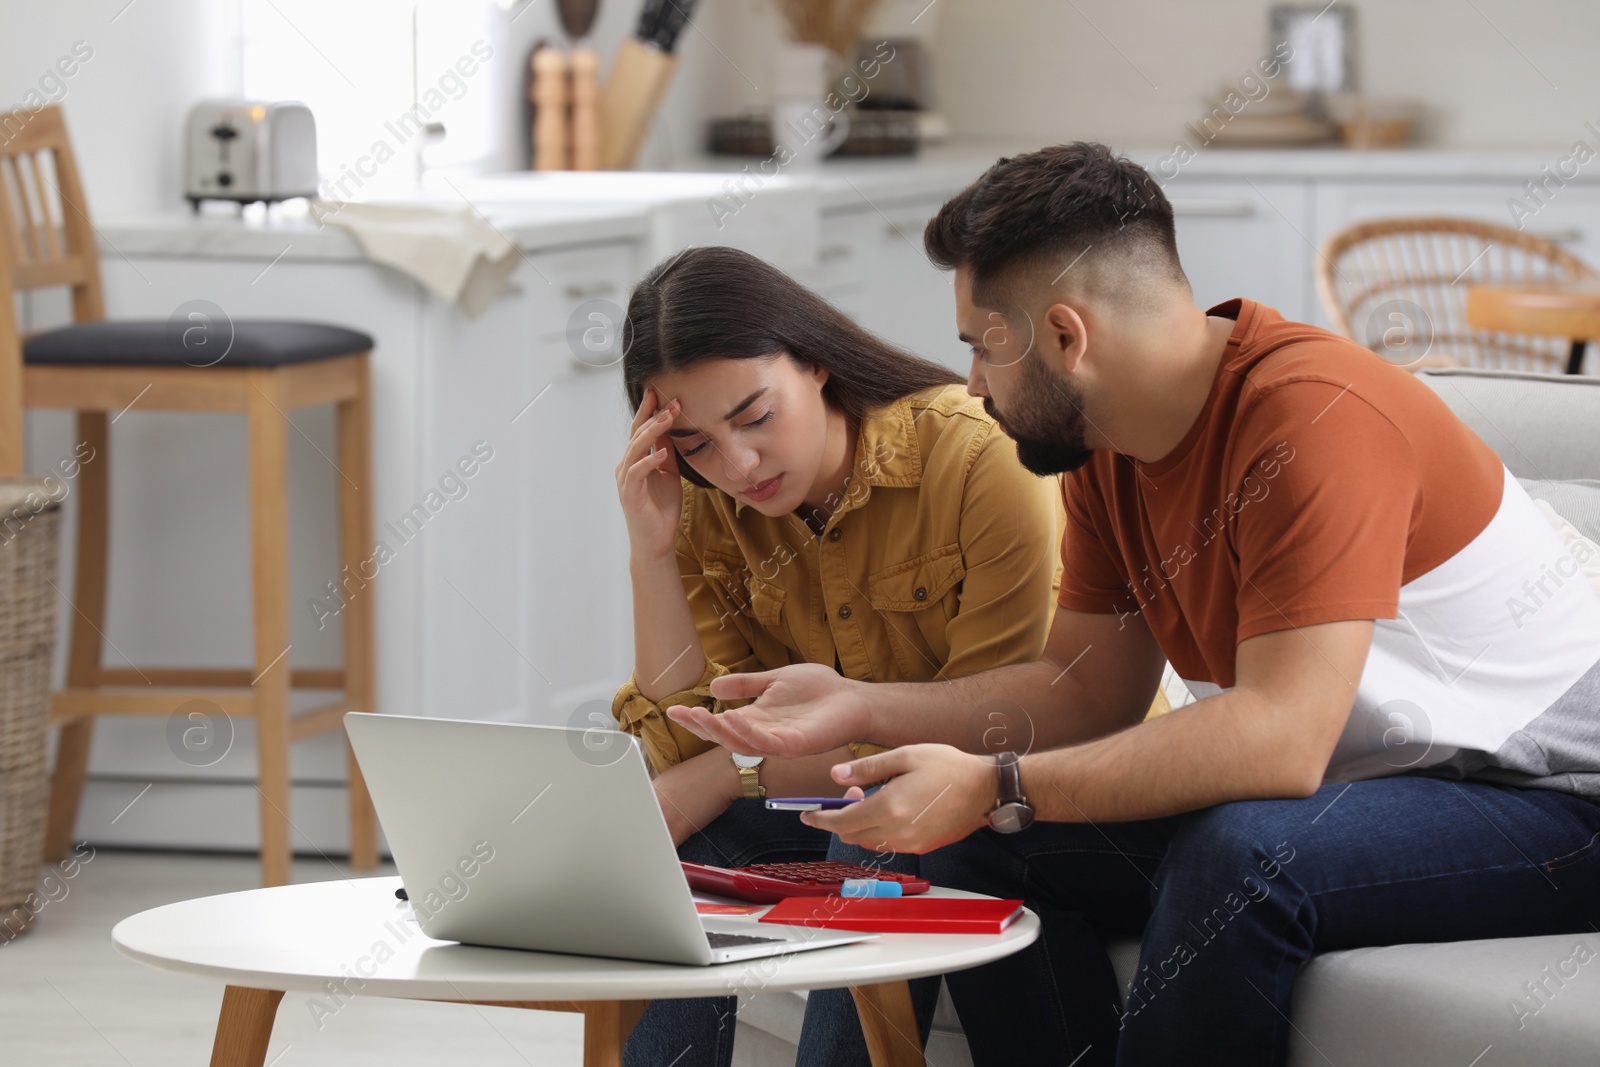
x,y
1319,484
1316,481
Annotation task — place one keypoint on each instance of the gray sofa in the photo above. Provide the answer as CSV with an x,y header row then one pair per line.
x,y
1425,1005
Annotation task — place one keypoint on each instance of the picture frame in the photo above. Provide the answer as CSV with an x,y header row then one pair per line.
x,y
1323,40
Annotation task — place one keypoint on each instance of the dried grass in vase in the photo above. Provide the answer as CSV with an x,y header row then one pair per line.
x,y
834,24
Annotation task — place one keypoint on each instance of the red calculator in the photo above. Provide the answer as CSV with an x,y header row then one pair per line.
x,y
768,883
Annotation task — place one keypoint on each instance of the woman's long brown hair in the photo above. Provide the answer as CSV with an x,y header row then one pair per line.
x,y
721,302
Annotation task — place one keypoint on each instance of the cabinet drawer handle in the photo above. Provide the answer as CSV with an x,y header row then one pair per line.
x,y
1215,208
832,252
1563,235
589,292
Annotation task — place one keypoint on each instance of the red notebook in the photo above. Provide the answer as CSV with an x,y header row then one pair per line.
x,y
903,915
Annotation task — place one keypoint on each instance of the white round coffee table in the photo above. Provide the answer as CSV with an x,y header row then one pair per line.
x,y
353,938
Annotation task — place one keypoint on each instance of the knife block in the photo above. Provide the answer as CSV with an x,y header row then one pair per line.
x,y
632,95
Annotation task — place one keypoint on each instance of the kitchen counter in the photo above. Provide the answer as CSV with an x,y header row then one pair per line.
x,y
290,232
948,167
543,211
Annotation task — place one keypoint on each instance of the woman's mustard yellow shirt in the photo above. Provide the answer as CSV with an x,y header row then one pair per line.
x,y
941,559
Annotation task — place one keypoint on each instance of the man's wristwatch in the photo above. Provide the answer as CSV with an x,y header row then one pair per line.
x,y
1012,812
750,775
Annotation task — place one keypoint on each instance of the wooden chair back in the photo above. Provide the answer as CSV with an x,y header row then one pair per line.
x,y
46,240
1399,286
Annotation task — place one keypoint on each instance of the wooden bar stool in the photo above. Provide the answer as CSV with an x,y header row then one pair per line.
x,y
96,368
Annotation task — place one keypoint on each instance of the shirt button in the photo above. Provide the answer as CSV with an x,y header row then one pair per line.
x,y
921,593
835,535
844,611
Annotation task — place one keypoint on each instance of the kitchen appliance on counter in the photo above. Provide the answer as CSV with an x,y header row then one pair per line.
x,y
248,151
871,133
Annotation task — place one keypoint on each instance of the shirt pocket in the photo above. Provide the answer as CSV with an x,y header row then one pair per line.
x,y
727,585
766,602
904,594
745,594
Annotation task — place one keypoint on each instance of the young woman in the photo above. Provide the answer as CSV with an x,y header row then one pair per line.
x,y
799,490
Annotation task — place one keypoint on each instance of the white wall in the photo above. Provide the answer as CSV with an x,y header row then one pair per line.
x,y
149,60
125,104
1494,73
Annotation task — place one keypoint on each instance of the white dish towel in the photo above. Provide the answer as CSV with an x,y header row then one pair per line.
x,y
451,251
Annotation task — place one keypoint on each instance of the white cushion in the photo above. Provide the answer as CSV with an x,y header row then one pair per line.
x,y
1437,1005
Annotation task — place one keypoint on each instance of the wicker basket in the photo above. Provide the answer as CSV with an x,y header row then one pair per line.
x,y
30,522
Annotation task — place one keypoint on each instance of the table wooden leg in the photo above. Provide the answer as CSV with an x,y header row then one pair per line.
x,y
889,1023
245,1026
606,1026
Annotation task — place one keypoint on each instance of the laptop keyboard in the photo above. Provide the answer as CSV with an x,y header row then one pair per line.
x,y
720,940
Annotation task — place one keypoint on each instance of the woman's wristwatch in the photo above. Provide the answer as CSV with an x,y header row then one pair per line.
x,y
750,775
1012,812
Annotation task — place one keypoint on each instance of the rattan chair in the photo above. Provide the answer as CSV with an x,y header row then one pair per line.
x,y
96,368
1399,286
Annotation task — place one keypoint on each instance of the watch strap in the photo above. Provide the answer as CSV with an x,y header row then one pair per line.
x,y
750,782
1009,769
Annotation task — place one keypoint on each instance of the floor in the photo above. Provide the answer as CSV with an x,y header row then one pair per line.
x,y
68,997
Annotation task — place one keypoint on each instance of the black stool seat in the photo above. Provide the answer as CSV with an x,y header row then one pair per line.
x,y
198,343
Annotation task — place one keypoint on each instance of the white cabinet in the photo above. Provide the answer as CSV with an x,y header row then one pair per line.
x,y
525,594
1250,239
911,301
871,264
845,262
1234,239
578,605
472,467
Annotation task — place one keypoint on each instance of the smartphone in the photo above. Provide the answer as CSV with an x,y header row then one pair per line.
x,y
809,803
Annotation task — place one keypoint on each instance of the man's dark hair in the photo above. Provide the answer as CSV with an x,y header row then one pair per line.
x,y
1044,210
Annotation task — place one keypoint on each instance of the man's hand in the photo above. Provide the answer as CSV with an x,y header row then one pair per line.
x,y
937,795
799,711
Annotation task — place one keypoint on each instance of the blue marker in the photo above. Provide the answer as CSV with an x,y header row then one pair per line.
x,y
869,887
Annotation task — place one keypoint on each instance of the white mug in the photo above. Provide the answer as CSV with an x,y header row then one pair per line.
x,y
808,129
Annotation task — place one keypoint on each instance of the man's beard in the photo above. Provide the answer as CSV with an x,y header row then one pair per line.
x,y
1046,422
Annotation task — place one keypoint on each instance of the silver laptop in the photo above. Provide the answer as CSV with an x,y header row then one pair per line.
x,y
545,838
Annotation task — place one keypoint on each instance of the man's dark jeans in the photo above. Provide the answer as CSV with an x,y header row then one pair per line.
x,y
1233,899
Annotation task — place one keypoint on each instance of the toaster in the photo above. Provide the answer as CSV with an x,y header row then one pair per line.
x,y
247,151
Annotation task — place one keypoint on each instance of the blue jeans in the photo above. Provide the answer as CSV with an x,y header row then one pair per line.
x,y
1233,899
699,1032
